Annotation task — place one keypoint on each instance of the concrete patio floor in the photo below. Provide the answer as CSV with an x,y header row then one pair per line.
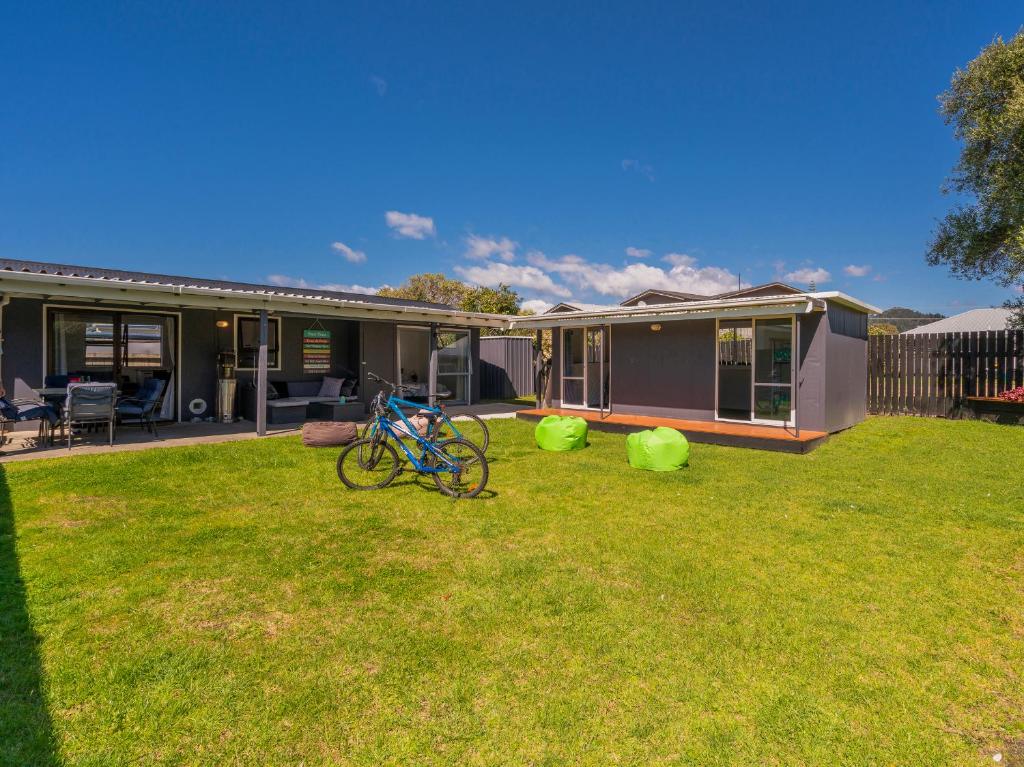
x,y
23,444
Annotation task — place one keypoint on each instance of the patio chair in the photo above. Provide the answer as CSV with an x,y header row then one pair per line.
x,y
144,404
88,404
20,412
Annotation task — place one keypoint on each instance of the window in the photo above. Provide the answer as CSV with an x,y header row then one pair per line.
x,y
247,342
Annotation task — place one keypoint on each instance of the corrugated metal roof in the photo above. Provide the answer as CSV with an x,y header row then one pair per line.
x,y
119,275
973,320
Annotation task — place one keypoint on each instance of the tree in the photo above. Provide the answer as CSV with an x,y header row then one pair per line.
x,y
985,104
882,329
439,289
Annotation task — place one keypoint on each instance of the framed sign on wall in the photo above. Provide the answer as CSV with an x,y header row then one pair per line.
x,y
316,350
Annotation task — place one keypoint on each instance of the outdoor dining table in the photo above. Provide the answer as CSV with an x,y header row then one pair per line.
x,y
58,395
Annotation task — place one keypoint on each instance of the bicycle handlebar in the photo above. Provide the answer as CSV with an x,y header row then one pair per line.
x,y
394,387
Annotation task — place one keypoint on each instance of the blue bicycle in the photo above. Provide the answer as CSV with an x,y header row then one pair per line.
x,y
458,467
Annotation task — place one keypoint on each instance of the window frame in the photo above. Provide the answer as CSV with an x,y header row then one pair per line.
x,y
236,329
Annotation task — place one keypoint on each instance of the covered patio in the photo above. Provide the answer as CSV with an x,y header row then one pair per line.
x,y
287,347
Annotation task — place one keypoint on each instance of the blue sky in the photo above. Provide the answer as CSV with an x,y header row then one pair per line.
x,y
580,151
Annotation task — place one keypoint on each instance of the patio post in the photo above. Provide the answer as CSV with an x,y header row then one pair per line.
x,y
261,377
796,375
432,373
538,368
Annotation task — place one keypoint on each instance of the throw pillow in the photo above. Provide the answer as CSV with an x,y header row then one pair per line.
x,y
349,387
331,387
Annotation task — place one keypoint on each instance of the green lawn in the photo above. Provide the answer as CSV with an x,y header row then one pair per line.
x,y
233,604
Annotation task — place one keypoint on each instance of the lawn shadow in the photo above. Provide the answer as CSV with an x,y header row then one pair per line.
x,y
26,730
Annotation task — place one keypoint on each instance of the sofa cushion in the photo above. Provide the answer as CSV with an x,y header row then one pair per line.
x,y
348,388
331,387
303,388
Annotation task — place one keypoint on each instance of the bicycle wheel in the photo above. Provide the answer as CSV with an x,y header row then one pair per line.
x,y
466,476
364,465
468,427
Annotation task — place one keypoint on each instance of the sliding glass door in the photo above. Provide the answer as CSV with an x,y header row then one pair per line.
x,y
755,370
586,367
454,364
120,347
773,370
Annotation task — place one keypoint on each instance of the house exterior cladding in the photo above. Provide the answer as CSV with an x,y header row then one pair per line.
x,y
769,354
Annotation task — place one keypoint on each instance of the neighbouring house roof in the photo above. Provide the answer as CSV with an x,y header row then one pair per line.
x,y
767,289
562,307
658,296
970,321
655,296
709,308
115,285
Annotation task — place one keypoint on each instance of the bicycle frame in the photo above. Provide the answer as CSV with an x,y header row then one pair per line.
x,y
395,405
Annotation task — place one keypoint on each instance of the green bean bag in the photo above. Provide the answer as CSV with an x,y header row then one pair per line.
x,y
662,449
561,432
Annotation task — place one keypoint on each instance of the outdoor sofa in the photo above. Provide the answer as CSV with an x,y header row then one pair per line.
x,y
298,401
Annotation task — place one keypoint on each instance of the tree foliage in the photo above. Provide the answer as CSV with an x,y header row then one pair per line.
x,y
882,329
985,106
440,289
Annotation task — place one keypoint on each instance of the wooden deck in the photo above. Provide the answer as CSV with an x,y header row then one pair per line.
x,y
710,432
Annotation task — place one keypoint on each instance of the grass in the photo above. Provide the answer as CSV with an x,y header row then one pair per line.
x,y
233,604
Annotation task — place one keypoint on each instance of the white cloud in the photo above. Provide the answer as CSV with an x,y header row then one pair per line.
x,y
635,166
380,84
482,248
684,275
679,259
351,255
410,225
637,252
284,281
530,277
537,305
857,271
807,275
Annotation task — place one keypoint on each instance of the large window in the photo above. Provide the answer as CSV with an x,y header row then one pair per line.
x,y
247,342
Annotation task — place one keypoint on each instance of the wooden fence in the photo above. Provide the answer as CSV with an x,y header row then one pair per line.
x,y
934,373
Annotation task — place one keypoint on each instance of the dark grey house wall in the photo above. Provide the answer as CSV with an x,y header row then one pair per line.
x,y
22,360
812,393
670,373
846,381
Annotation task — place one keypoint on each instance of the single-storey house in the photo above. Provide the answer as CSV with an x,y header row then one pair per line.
x,y
714,360
722,359
59,321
